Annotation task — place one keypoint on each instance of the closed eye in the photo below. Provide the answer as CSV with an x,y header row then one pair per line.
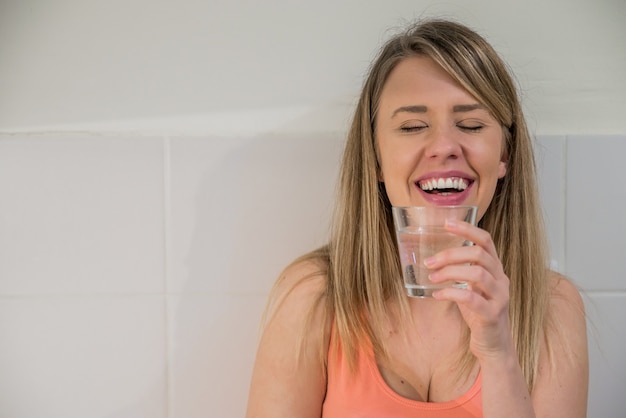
x,y
471,128
412,128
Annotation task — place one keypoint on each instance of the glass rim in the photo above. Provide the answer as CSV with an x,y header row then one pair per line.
x,y
435,207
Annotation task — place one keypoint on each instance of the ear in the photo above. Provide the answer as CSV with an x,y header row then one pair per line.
x,y
379,172
502,168
504,159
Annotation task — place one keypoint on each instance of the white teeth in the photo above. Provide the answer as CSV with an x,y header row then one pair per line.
x,y
441,183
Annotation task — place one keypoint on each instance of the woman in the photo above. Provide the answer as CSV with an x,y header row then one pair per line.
x,y
342,339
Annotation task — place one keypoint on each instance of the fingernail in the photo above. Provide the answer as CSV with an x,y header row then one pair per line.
x,y
451,222
429,262
433,277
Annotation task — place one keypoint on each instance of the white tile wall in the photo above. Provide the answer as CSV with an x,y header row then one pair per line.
x,y
133,270
242,209
82,330
587,229
594,247
81,214
82,356
550,157
213,340
595,216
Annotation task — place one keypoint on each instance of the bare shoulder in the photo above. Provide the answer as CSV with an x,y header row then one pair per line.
x,y
566,330
564,295
562,384
288,378
300,286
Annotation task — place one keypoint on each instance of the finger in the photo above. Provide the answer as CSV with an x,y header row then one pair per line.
x,y
474,234
470,302
477,278
474,255
464,297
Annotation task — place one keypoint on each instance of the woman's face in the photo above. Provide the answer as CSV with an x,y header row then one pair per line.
x,y
437,144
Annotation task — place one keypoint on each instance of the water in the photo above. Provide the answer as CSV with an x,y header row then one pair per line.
x,y
415,245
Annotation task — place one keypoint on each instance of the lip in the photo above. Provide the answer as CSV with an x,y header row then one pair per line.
x,y
453,199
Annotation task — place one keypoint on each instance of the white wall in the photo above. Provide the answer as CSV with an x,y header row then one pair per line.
x,y
160,162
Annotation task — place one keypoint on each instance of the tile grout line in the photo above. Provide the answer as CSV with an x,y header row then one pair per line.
x,y
564,196
166,265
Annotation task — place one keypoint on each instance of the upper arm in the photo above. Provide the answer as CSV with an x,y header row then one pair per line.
x,y
562,383
283,383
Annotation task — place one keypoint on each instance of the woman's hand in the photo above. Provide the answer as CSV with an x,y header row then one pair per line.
x,y
484,305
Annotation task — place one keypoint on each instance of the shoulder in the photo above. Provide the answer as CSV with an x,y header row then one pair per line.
x,y
300,288
297,307
565,300
309,272
563,373
288,377
566,320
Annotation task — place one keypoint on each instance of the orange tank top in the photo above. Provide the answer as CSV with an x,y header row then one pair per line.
x,y
365,394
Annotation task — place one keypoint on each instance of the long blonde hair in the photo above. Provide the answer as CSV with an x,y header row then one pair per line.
x,y
362,265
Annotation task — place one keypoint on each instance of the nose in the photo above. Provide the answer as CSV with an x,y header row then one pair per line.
x,y
443,144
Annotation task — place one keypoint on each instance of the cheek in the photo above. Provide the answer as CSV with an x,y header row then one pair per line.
x,y
395,155
395,174
395,167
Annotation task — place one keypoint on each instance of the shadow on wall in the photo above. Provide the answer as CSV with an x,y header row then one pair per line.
x,y
264,202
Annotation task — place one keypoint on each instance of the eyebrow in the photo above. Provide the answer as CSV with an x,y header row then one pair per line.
x,y
410,109
467,108
424,109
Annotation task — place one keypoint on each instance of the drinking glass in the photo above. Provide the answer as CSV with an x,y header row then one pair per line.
x,y
420,233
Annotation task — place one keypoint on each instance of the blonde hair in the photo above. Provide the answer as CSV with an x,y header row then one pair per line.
x,y
362,264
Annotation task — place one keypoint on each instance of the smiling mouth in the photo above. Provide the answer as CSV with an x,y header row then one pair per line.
x,y
444,186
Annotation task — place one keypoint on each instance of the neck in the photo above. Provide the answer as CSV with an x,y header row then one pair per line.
x,y
427,316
